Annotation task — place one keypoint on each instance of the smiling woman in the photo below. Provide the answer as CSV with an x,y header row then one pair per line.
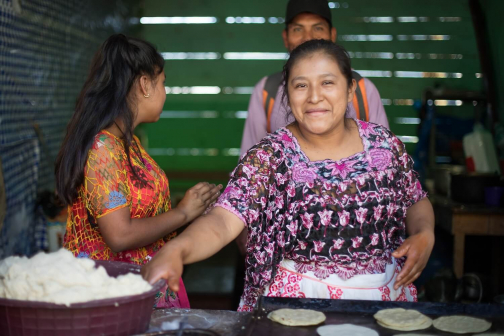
x,y
318,86
327,201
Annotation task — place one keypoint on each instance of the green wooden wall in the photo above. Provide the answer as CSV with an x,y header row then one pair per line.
x,y
493,10
393,38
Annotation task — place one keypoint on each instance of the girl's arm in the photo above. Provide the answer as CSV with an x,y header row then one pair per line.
x,y
121,232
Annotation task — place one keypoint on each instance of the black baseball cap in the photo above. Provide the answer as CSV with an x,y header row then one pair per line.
x,y
319,7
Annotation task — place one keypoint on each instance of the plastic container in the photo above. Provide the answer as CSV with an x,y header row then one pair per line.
x,y
479,150
493,196
55,234
125,315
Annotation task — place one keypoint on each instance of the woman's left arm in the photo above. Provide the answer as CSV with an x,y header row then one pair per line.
x,y
418,247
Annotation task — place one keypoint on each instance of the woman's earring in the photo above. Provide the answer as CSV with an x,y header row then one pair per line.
x,y
147,95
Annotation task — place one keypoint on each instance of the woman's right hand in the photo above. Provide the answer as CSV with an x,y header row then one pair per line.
x,y
167,264
197,199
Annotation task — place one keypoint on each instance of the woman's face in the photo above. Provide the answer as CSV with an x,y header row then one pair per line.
x,y
318,93
152,106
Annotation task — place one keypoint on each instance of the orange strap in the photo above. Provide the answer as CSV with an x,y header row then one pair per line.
x,y
270,91
355,104
268,103
360,102
270,110
362,86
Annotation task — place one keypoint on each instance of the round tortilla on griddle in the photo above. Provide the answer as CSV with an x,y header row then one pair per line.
x,y
345,330
401,318
425,325
459,324
297,317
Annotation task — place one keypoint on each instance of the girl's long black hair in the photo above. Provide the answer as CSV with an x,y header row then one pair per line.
x,y
104,99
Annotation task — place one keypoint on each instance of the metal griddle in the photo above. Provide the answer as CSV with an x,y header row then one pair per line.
x,y
361,313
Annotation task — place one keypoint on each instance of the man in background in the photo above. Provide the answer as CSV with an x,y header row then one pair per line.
x,y
304,20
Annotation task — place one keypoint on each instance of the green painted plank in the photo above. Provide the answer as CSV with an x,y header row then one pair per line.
x,y
277,8
242,38
222,37
248,73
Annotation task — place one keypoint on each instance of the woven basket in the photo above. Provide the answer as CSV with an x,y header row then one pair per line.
x,y
125,315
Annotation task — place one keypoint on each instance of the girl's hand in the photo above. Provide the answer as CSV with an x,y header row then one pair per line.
x,y
197,199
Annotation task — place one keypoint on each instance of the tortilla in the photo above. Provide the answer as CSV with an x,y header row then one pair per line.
x,y
297,317
345,330
460,324
399,317
402,318
425,325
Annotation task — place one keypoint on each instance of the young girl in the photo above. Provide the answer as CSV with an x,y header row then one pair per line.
x,y
118,197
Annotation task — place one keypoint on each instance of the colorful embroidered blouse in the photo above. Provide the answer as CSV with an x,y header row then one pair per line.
x,y
332,217
109,185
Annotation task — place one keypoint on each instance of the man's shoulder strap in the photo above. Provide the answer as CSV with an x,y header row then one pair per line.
x,y
360,102
273,82
270,91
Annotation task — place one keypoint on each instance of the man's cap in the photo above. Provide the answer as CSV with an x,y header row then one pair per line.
x,y
318,7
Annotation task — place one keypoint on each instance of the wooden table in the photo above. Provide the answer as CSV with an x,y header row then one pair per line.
x,y
474,220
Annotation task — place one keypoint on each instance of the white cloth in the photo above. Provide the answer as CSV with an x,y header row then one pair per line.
x,y
380,287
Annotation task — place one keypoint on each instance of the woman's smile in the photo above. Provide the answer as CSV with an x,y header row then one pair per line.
x,y
317,112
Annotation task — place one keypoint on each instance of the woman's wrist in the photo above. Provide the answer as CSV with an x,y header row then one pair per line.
x,y
419,224
181,216
426,233
173,249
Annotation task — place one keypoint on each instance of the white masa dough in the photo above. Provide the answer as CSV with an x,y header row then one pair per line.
x,y
345,330
297,317
459,324
61,278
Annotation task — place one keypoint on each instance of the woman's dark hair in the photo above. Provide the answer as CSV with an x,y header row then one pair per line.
x,y
104,99
331,49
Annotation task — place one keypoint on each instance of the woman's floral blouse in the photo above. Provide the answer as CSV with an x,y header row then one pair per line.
x,y
332,217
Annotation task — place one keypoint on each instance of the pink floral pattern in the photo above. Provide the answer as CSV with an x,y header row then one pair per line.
x,y
335,292
286,284
345,216
379,158
385,293
402,297
413,292
301,173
